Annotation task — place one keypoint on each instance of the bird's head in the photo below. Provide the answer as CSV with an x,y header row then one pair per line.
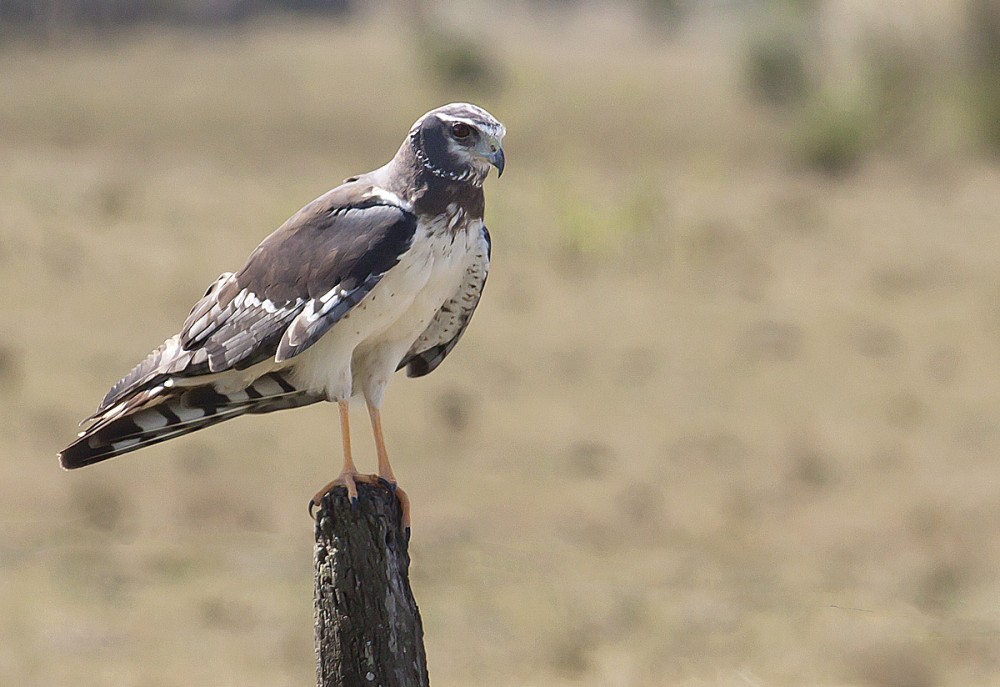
x,y
459,142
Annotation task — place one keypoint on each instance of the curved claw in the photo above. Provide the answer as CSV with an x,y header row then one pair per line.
x,y
404,505
404,501
348,480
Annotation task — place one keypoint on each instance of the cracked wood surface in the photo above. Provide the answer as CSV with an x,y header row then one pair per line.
x,y
368,628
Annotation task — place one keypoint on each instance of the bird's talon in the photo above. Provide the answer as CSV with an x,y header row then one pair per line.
x,y
388,484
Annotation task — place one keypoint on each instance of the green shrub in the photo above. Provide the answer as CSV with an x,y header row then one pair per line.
x,y
832,137
983,46
457,60
775,69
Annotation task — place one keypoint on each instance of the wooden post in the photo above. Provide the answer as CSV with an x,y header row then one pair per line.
x,y
368,629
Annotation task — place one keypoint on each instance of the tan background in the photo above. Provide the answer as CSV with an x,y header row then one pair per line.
x,y
727,414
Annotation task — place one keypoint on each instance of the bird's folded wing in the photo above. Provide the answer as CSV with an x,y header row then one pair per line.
x,y
452,318
297,284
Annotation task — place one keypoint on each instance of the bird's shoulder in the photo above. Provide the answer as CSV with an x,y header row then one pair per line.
x,y
343,206
354,230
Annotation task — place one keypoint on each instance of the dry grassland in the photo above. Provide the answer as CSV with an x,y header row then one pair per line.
x,y
718,421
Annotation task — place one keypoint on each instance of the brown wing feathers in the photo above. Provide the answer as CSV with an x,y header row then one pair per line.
x,y
298,283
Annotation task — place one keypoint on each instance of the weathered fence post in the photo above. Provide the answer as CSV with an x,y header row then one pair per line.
x,y
368,630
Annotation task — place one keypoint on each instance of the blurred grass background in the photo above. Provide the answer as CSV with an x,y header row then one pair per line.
x,y
727,414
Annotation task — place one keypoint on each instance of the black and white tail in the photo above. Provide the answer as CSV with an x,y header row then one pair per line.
x,y
163,412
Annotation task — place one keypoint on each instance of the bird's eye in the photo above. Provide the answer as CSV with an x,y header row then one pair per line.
x,y
461,130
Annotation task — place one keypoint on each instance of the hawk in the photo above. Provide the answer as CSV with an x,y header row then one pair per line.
x,y
379,274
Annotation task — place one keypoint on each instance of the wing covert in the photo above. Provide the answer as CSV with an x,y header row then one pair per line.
x,y
296,284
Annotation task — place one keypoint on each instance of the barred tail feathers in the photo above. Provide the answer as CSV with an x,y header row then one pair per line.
x,y
162,413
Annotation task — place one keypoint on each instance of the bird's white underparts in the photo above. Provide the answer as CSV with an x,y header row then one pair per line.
x,y
379,274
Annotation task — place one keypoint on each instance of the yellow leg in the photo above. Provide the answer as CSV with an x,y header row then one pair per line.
x,y
384,469
349,474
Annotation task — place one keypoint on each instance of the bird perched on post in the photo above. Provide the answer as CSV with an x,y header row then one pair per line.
x,y
381,273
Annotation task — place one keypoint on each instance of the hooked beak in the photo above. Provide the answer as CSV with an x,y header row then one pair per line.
x,y
496,159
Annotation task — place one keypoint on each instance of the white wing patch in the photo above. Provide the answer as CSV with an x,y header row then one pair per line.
x,y
318,315
390,198
208,309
